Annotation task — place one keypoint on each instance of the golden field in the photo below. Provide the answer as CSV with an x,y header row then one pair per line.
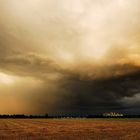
x,y
69,129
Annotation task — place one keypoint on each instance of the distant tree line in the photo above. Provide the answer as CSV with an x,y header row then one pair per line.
x,y
124,116
23,116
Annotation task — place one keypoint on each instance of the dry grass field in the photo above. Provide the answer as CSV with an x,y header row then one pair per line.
x,y
69,129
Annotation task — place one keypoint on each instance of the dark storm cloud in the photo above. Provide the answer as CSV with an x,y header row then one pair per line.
x,y
98,95
92,90
78,96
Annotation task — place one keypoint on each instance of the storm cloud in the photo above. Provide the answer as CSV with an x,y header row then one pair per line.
x,y
71,57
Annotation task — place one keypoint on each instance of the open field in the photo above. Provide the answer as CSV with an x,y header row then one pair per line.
x,y
70,129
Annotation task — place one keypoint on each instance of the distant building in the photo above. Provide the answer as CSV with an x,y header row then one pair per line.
x,y
112,114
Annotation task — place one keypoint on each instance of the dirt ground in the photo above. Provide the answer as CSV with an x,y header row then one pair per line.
x,y
69,129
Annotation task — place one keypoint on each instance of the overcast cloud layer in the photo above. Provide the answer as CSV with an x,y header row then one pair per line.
x,y
69,57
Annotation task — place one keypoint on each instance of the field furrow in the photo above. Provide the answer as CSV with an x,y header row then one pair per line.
x,y
69,129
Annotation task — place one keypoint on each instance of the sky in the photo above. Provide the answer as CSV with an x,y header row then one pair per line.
x,y
69,56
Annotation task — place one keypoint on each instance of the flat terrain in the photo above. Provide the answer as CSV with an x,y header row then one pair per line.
x,y
70,129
